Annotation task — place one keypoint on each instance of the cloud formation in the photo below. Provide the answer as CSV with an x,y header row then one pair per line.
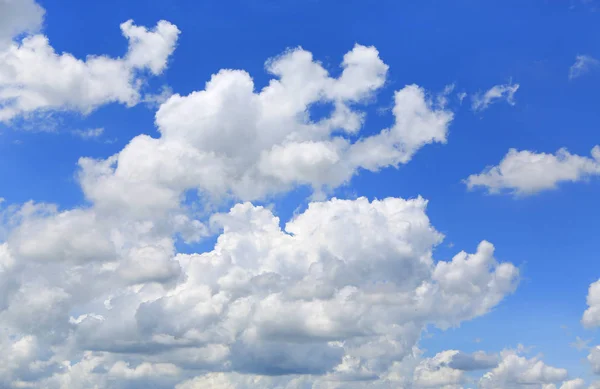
x,y
34,78
482,101
525,172
583,64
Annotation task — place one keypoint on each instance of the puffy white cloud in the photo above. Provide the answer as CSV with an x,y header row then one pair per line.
x,y
516,371
344,292
576,383
505,92
230,140
526,172
583,64
34,78
18,17
436,373
594,359
591,317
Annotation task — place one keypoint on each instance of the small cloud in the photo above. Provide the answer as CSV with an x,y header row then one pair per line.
x,y
495,93
154,100
442,98
583,64
90,133
461,96
477,340
580,344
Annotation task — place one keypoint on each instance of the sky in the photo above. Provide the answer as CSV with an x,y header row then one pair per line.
x,y
299,194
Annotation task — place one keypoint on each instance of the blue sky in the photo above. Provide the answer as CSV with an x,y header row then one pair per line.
x,y
549,231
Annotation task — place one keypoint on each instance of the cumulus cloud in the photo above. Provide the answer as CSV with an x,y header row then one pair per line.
x,y
18,17
516,371
229,140
591,317
481,101
526,172
337,297
35,78
343,292
583,64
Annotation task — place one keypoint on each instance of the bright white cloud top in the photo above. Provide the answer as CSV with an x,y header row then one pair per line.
x,y
33,77
526,172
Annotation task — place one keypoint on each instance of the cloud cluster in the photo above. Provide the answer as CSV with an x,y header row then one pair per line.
x,y
337,297
230,141
34,78
526,172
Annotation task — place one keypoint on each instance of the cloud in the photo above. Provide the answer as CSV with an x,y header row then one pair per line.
x,y
230,141
583,64
516,371
591,317
527,173
580,344
34,78
265,301
89,133
505,92
594,359
18,17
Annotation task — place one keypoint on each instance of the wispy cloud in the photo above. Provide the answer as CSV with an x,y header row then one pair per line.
x,y
89,133
583,64
495,93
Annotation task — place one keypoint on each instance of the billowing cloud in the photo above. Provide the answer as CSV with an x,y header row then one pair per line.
x,y
526,172
230,140
18,17
481,101
34,78
583,64
516,371
591,317
344,291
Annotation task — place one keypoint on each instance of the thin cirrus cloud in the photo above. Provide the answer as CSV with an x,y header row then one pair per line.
x,y
525,172
583,64
481,101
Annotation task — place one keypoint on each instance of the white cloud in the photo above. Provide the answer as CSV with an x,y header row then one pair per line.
x,y
18,17
591,317
34,78
583,64
89,133
230,140
264,301
594,359
516,371
526,172
505,92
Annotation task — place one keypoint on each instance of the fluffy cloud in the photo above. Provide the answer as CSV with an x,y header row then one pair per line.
x,y
18,17
230,140
582,65
344,291
591,317
594,359
34,78
516,371
506,92
526,172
